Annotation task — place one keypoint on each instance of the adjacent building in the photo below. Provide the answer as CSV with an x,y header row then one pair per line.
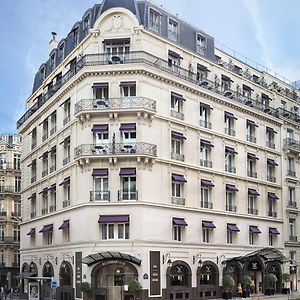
x,y
150,154
10,209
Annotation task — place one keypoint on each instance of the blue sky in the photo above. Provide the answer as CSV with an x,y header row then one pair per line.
x,y
265,31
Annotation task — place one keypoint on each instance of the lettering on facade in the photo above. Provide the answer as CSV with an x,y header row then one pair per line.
x,y
155,286
78,270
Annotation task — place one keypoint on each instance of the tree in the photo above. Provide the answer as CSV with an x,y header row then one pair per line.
x,y
228,283
134,286
85,287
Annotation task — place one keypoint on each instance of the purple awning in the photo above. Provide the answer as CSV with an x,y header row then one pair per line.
x,y
52,187
100,172
174,54
232,227
65,181
269,129
231,188
206,143
127,83
271,162
127,172
44,154
47,228
207,183
208,225
247,88
64,225
230,115
128,127
205,105
253,192
226,78
252,156
178,136
178,178
177,96
273,230
117,41
113,219
179,222
33,196
100,127
272,196
251,123
31,232
100,85
44,191
254,229
230,150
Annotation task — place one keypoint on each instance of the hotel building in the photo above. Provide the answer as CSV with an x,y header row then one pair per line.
x,y
150,154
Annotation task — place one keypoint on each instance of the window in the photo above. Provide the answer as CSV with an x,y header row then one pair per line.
x,y
292,230
43,72
113,231
53,61
76,36
251,165
293,257
265,102
2,184
247,93
230,201
176,189
177,232
67,150
128,89
53,159
229,123
128,133
2,263
45,130
179,276
177,146
290,134
173,32
283,105
177,106
229,237
17,208
2,160
86,23
205,115
232,230
100,134
129,191
17,184
206,186
174,60
270,137
17,258
154,20
67,111
117,50
2,232
205,235
225,84
52,123
271,170
16,162
33,139
207,228
250,131
291,197
101,187
33,206
17,233
201,45
291,167
205,153
53,198
61,52
230,160
45,201
273,232
45,164
253,235
272,205
67,193
208,275
252,205
100,91
48,238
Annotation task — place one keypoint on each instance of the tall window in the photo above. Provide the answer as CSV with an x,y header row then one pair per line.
x,y
253,235
205,153
205,115
45,201
101,191
33,139
76,36
292,230
291,167
16,233
272,205
53,198
45,130
177,145
177,232
177,106
291,197
48,237
33,206
201,44
67,111
17,161
225,84
61,52
2,232
174,60
230,160
53,159
17,208
229,119
154,20
206,186
116,50
271,170
251,165
100,92
53,123
173,32
251,129
45,164
87,23
113,231
17,184
128,88
67,150
66,192
2,160
232,229
270,137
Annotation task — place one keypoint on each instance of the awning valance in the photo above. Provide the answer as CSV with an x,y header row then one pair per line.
x,y
178,178
252,156
127,172
206,143
254,229
253,192
207,183
100,128
31,232
271,162
178,136
103,219
179,222
47,228
208,225
232,227
272,196
127,127
117,41
231,188
230,115
100,172
100,85
64,225
273,230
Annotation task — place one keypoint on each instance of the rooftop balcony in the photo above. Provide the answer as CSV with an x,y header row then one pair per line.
x,y
141,57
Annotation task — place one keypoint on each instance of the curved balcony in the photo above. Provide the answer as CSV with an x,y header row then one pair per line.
x,y
291,144
10,166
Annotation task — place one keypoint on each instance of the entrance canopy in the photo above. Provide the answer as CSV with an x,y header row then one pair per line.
x,y
100,257
267,254
26,275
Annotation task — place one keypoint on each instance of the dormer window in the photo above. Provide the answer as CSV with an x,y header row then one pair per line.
x,y
154,20
173,30
52,61
61,52
43,72
201,44
76,36
86,23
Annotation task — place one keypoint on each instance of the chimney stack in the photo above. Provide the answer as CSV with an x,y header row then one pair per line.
x,y
53,43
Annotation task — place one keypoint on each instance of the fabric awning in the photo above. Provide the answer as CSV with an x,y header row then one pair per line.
x,y
226,78
254,229
117,41
99,128
205,105
253,192
52,187
269,129
252,156
232,227
230,115
206,143
272,196
64,225
230,150
251,123
44,191
179,222
65,181
47,228
127,83
127,127
31,232
271,162
177,96
231,188
100,85
113,219
100,172
207,183
178,178
174,54
208,225
127,172
273,230
33,196
178,136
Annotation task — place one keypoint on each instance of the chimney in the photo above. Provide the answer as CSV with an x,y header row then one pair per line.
x,y
53,43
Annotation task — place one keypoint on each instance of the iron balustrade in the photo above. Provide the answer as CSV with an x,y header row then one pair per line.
x,y
33,179
66,120
231,208
66,203
290,143
127,195
293,238
16,214
291,173
44,173
9,240
270,144
178,200
52,130
66,160
205,124
206,204
142,57
10,166
230,169
252,174
177,114
205,163
115,149
44,137
33,215
100,195
7,189
115,104
52,169
292,204
252,211
177,156
272,214
251,138
52,208
229,131
271,178
44,211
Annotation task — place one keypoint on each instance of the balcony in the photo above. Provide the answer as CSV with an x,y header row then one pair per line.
x,y
291,144
99,195
270,144
252,211
52,208
66,160
44,173
112,149
205,124
32,214
33,179
66,120
7,189
52,130
292,204
293,238
231,208
283,112
177,115
44,137
66,203
291,173
229,131
178,200
251,138
177,156
33,145
52,169
272,214
44,211
230,169
9,240
127,195
205,163
271,178
10,166
206,204
252,174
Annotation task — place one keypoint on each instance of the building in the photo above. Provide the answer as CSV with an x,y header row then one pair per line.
x,y
149,153
10,209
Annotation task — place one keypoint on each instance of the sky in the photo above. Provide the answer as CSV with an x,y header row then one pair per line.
x,y
264,31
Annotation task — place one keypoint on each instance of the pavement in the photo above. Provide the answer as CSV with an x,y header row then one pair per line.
x,y
294,296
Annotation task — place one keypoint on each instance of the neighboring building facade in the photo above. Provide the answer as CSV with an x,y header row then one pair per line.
x,y
10,209
150,154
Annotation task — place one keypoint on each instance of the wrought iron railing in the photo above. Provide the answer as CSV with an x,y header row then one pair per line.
x,y
292,204
290,143
270,144
178,200
115,149
127,195
115,104
177,114
10,166
229,131
271,178
251,138
206,204
231,208
7,189
252,174
177,156
99,195
205,163
205,124
66,203
9,240
252,211
293,238
291,173
229,168
272,214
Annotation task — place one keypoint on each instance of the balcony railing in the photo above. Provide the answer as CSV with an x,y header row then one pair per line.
x,y
15,264
252,211
66,160
271,178
231,208
251,138
177,156
10,166
292,204
178,200
177,115
33,145
99,195
33,215
33,179
206,204
9,240
270,144
52,169
44,211
205,163
205,124
229,131
127,195
44,173
229,168
252,174
52,130
66,120
141,57
16,214
52,208
291,173
291,144
66,203
115,149
293,238
272,214
115,104
7,189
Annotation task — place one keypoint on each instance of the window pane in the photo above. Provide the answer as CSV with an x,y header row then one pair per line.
x,y
111,228
120,231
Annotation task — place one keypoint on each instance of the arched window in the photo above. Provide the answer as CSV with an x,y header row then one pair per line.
x,y
65,274
208,275
179,276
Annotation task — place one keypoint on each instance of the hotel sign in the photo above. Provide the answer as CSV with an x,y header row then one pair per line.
x,y
155,288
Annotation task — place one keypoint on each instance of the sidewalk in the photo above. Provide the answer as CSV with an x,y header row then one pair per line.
x,y
294,296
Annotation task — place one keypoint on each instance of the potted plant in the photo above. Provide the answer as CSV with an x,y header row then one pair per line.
x,y
134,286
228,283
270,283
246,283
85,287
286,278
